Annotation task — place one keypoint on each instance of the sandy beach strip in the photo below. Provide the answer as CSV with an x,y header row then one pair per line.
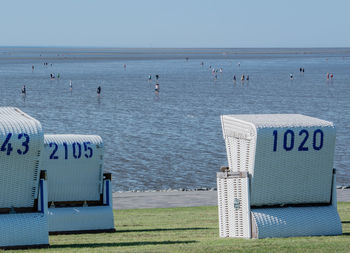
x,y
168,199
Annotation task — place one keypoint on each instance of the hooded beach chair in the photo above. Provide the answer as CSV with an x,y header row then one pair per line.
x,y
280,181
23,195
79,194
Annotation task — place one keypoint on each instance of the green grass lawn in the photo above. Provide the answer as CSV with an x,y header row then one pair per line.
x,y
193,229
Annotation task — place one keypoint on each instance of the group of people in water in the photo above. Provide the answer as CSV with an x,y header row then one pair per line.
x,y
98,88
24,89
301,70
156,87
52,76
243,78
215,71
330,76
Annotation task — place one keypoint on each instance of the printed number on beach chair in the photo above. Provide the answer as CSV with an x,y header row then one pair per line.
x,y
80,197
23,209
280,180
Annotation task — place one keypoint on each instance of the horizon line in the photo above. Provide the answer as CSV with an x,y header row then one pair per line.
x,y
120,47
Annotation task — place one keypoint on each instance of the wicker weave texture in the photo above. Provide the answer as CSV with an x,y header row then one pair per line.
x,y
23,229
296,221
80,218
294,176
75,168
223,210
280,172
233,206
65,219
277,120
240,153
21,140
19,229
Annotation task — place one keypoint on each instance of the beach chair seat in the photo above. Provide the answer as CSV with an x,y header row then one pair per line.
x,y
280,181
79,194
23,209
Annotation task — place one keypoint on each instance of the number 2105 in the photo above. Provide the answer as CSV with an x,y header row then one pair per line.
x,y
76,150
289,140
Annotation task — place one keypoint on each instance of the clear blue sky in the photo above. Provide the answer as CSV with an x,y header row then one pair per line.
x,y
176,23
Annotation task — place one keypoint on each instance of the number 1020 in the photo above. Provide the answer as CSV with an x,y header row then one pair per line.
x,y
289,140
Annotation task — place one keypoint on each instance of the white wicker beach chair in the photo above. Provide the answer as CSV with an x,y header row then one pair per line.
x,y
79,194
280,180
23,198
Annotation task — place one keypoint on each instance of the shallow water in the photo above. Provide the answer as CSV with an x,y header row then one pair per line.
x,y
173,139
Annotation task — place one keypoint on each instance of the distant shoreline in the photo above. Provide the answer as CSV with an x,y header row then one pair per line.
x,y
21,54
171,48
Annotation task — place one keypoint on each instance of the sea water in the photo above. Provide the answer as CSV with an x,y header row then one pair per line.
x,y
173,138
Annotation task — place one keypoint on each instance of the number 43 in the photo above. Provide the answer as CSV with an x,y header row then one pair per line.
x,y
7,146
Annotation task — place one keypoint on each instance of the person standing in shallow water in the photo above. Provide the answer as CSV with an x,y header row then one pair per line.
x,y
156,88
98,90
24,90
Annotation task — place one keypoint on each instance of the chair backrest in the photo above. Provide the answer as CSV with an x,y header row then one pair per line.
x,y
289,157
21,142
74,165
